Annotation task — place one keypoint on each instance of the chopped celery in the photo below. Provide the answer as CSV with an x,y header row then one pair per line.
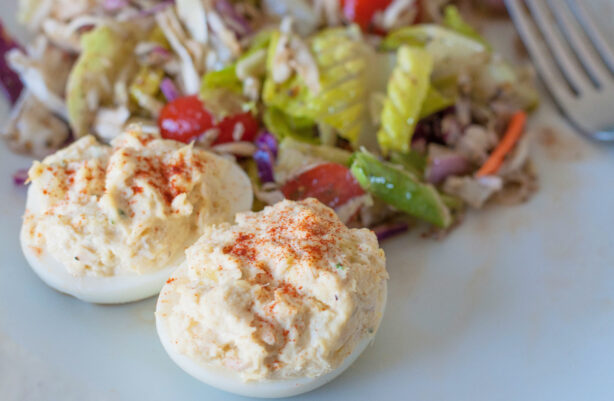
x,y
400,189
407,90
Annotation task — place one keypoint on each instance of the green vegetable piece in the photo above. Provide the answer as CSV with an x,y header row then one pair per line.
x,y
323,152
104,53
342,100
222,90
453,203
407,89
454,20
413,162
434,102
224,78
285,126
146,84
399,189
452,52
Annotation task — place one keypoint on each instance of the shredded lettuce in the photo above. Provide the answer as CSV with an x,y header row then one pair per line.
x,y
222,90
342,101
452,52
453,19
407,90
104,53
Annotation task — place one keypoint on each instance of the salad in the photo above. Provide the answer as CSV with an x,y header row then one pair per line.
x,y
392,112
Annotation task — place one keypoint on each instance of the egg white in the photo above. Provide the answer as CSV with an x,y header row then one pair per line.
x,y
127,287
230,381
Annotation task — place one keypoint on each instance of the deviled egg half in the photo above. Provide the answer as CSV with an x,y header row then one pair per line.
x,y
109,224
275,305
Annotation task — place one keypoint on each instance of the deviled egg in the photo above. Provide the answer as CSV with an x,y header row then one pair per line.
x,y
109,224
275,305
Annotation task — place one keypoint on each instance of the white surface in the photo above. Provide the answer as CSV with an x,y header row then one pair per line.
x,y
516,304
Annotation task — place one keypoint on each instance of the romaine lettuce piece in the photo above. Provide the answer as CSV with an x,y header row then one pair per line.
x,y
342,100
285,126
407,89
452,53
434,102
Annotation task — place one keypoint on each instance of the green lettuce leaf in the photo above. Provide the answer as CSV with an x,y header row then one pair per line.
x,y
434,102
285,126
407,90
452,53
453,19
342,101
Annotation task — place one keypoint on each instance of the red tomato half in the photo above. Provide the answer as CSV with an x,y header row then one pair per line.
x,y
331,183
186,118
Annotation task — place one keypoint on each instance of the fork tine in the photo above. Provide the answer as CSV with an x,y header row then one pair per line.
x,y
593,33
569,26
548,71
566,61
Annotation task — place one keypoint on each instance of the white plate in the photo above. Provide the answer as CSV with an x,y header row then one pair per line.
x,y
516,304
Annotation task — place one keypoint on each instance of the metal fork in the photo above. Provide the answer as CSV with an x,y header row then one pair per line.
x,y
573,59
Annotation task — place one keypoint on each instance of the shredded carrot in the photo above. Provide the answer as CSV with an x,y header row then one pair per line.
x,y
513,133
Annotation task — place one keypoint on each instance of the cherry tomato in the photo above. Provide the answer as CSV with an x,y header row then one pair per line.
x,y
362,11
185,118
331,183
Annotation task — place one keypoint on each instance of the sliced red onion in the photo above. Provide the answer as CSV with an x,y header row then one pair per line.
x,y
267,140
443,166
389,230
20,176
155,9
241,25
10,84
265,156
169,90
264,161
161,51
114,5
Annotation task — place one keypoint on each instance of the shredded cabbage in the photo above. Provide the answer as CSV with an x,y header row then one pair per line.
x,y
223,90
90,82
407,89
